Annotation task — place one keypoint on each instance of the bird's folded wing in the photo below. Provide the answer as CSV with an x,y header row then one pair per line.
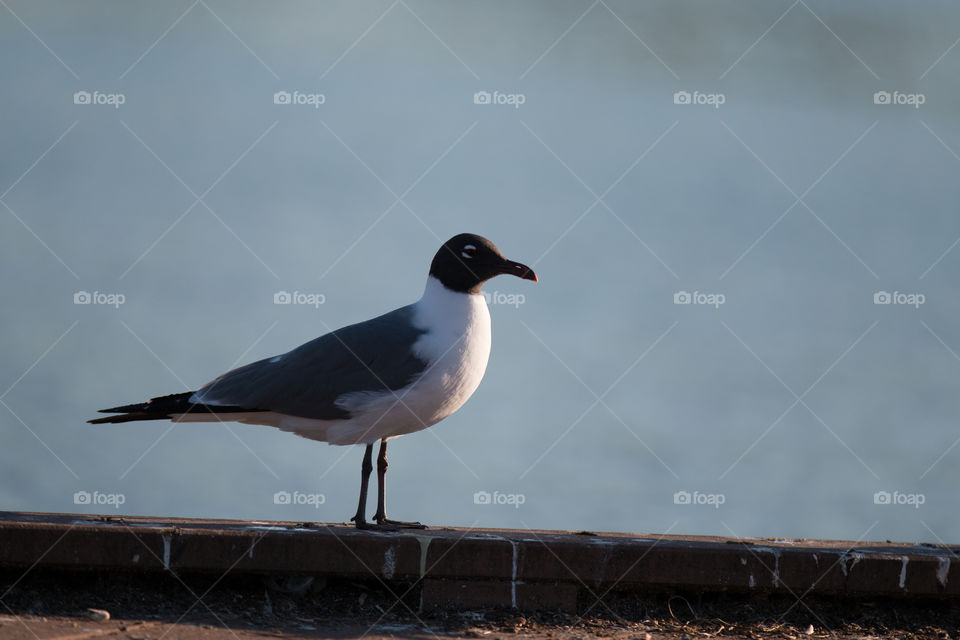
x,y
375,355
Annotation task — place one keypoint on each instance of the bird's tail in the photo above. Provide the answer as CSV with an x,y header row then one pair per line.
x,y
163,408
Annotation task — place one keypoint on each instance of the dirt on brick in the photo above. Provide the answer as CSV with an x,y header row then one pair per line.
x,y
48,605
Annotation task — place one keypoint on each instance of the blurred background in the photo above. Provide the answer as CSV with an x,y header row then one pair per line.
x,y
743,216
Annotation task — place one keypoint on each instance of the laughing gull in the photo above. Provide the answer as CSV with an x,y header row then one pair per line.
x,y
395,374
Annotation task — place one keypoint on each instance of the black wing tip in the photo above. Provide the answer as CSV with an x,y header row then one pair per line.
x,y
162,408
154,409
128,417
127,408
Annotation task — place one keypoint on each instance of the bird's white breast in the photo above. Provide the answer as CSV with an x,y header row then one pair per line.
x,y
456,344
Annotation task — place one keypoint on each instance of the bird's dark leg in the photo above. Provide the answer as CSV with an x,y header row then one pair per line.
x,y
381,515
361,518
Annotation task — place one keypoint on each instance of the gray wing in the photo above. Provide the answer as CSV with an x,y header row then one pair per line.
x,y
369,356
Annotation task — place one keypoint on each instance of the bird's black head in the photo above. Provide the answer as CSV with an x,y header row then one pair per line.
x,y
467,260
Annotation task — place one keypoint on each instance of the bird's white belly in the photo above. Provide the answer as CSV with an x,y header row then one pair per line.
x,y
379,415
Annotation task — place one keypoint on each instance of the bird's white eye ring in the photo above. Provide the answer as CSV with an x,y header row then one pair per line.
x,y
468,251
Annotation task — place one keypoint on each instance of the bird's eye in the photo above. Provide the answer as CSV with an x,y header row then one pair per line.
x,y
469,251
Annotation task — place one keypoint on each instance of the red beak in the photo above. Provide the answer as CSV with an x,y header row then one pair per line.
x,y
519,270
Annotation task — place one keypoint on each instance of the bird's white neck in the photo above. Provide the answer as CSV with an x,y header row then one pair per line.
x,y
440,305
449,316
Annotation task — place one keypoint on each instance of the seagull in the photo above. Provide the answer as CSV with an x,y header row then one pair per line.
x,y
386,377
